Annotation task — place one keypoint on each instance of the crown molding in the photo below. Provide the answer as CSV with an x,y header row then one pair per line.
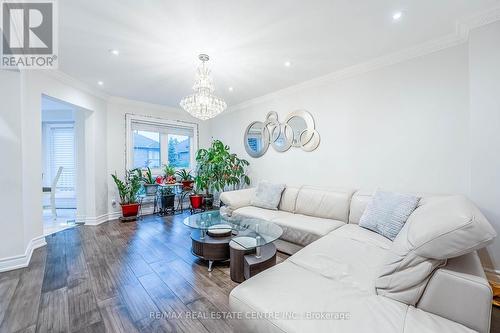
x,y
143,105
460,36
71,81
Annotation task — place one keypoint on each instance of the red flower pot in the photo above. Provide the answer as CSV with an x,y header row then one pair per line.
x,y
130,210
187,184
196,201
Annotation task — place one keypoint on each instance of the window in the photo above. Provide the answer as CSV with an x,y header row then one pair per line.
x,y
179,151
153,142
146,149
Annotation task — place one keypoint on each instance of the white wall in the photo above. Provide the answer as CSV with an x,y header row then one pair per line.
x,y
485,128
11,223
402,127
117,108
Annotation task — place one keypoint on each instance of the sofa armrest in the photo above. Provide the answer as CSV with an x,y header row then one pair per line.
x,y
237,199
460,292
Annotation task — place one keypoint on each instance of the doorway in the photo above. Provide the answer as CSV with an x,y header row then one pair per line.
x,y
59,163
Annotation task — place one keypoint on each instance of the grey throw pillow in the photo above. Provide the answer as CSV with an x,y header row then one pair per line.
x,y
387,213
267,195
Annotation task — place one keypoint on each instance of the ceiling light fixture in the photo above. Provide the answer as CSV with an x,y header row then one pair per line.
x,y
287,64
114,52
397,16
230,88
100,83
203,104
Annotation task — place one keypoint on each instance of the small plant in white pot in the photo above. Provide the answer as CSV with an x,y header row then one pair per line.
x,y
150,184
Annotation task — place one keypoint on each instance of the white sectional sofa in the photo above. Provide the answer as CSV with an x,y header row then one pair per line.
x,y
429,279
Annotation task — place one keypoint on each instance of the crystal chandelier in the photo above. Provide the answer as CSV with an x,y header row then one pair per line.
x,y
203,104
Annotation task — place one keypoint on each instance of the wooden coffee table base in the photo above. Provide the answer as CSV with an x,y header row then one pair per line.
x,y
244,264
210,248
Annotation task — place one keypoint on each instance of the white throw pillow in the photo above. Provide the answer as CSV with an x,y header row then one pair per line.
x,y
267,195
387,213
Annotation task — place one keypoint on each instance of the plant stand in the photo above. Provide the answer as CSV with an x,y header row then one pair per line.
x,y
142,199
128,219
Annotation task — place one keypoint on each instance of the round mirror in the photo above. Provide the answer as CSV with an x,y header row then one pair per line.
x,y
299,121
256,139
298,125
281,138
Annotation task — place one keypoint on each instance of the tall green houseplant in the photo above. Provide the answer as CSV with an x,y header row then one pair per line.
x,y
218,168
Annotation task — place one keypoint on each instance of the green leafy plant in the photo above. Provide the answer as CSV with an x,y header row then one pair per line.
x,y
217,168
122,188
148,178
134,179
184,174
168,170
129,186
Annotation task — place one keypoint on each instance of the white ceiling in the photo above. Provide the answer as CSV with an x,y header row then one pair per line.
x,y
248,41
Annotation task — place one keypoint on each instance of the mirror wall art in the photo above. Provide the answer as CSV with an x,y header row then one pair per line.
x,y
297,130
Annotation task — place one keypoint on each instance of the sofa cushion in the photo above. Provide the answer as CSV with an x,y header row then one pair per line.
x,y
349,254
288,199
440,228
267,195
302,229
387,212
236,199
260,213
326,203
289,289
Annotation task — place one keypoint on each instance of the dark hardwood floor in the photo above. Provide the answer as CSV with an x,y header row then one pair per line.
x,y
116,277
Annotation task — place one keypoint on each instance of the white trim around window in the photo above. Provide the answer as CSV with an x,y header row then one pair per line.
x,y
130,119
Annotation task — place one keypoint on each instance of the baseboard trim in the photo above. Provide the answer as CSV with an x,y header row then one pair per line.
x,y
92,221
96,220
21,261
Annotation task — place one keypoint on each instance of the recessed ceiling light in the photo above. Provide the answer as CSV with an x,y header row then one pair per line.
x,y
287,64
100,83
230,88
397,16
114,52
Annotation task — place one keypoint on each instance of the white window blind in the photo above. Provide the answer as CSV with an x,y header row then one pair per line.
x,y
162,128
62,154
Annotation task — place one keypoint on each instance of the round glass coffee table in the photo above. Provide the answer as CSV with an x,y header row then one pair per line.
x,y
247,242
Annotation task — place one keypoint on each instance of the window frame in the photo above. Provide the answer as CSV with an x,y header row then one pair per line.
x,y
129,146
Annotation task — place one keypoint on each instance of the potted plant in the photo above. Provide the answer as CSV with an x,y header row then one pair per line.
x,y
186,179
150,184
167,198
127,190
218,168
196,200
169,174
